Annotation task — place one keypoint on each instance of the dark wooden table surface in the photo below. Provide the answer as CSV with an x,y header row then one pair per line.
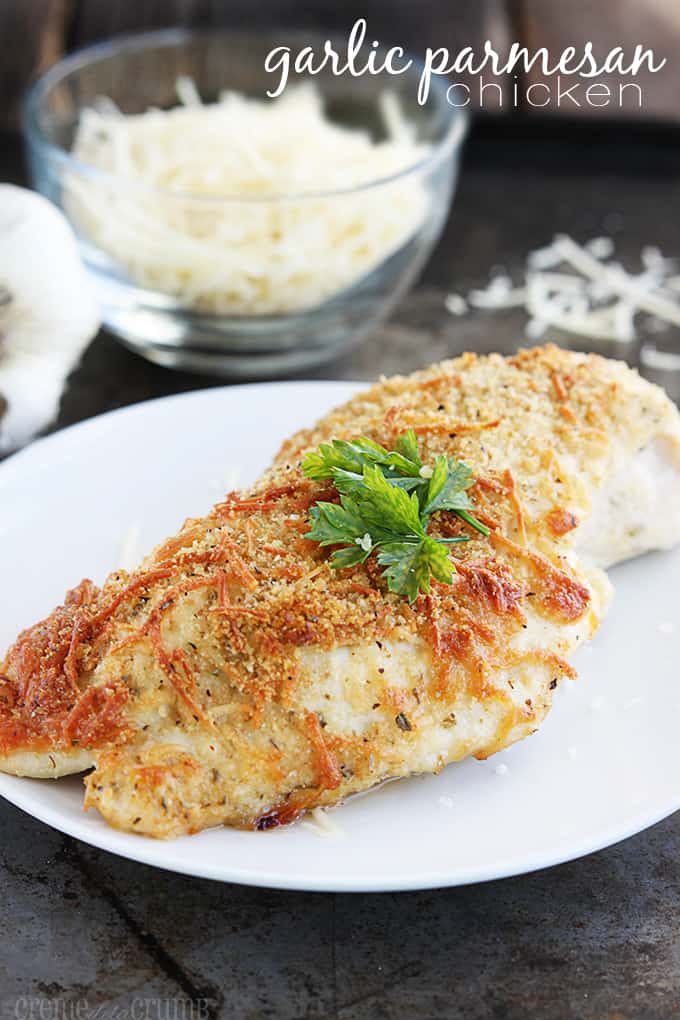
x,y
84,934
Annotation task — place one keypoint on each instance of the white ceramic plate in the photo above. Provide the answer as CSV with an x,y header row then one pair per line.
x,y
605,764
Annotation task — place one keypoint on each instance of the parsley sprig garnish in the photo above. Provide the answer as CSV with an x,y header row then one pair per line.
x,y
386,500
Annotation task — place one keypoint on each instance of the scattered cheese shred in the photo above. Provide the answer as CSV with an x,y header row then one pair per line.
x,y
574,288
244,206
659,361
319,822
130,552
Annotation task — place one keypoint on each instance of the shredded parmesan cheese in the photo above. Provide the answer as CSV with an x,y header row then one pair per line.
x,y
130,552
456,304
574,288
660,361
243,206
666,627
319,822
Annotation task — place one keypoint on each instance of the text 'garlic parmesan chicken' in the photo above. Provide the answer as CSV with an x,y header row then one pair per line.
x,y
235,678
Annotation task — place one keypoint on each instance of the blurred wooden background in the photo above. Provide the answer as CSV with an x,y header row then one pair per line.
x,y
34,33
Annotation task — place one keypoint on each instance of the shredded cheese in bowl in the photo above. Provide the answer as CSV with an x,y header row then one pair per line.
x,y
245,207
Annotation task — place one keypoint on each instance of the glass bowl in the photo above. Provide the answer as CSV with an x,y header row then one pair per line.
x,y
131,234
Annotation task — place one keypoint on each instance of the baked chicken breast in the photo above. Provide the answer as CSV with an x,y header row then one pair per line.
x,y
235,678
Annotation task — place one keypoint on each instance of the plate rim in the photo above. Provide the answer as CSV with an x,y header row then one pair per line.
x,y
42,442
277,880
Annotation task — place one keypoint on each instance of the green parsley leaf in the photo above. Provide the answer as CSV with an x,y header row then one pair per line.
x,y
447,488
410,564
341,456
349,556
387,508
333,524
352,520
407,446
386,500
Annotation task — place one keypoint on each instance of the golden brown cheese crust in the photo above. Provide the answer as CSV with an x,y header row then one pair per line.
x,y
234,678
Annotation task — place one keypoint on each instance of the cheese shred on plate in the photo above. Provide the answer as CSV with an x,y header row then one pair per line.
x,y
272,240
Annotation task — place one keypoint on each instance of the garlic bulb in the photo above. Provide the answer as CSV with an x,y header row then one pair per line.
x,y
48,312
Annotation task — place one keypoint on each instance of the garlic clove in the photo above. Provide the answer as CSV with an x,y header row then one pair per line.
x,y
48,312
